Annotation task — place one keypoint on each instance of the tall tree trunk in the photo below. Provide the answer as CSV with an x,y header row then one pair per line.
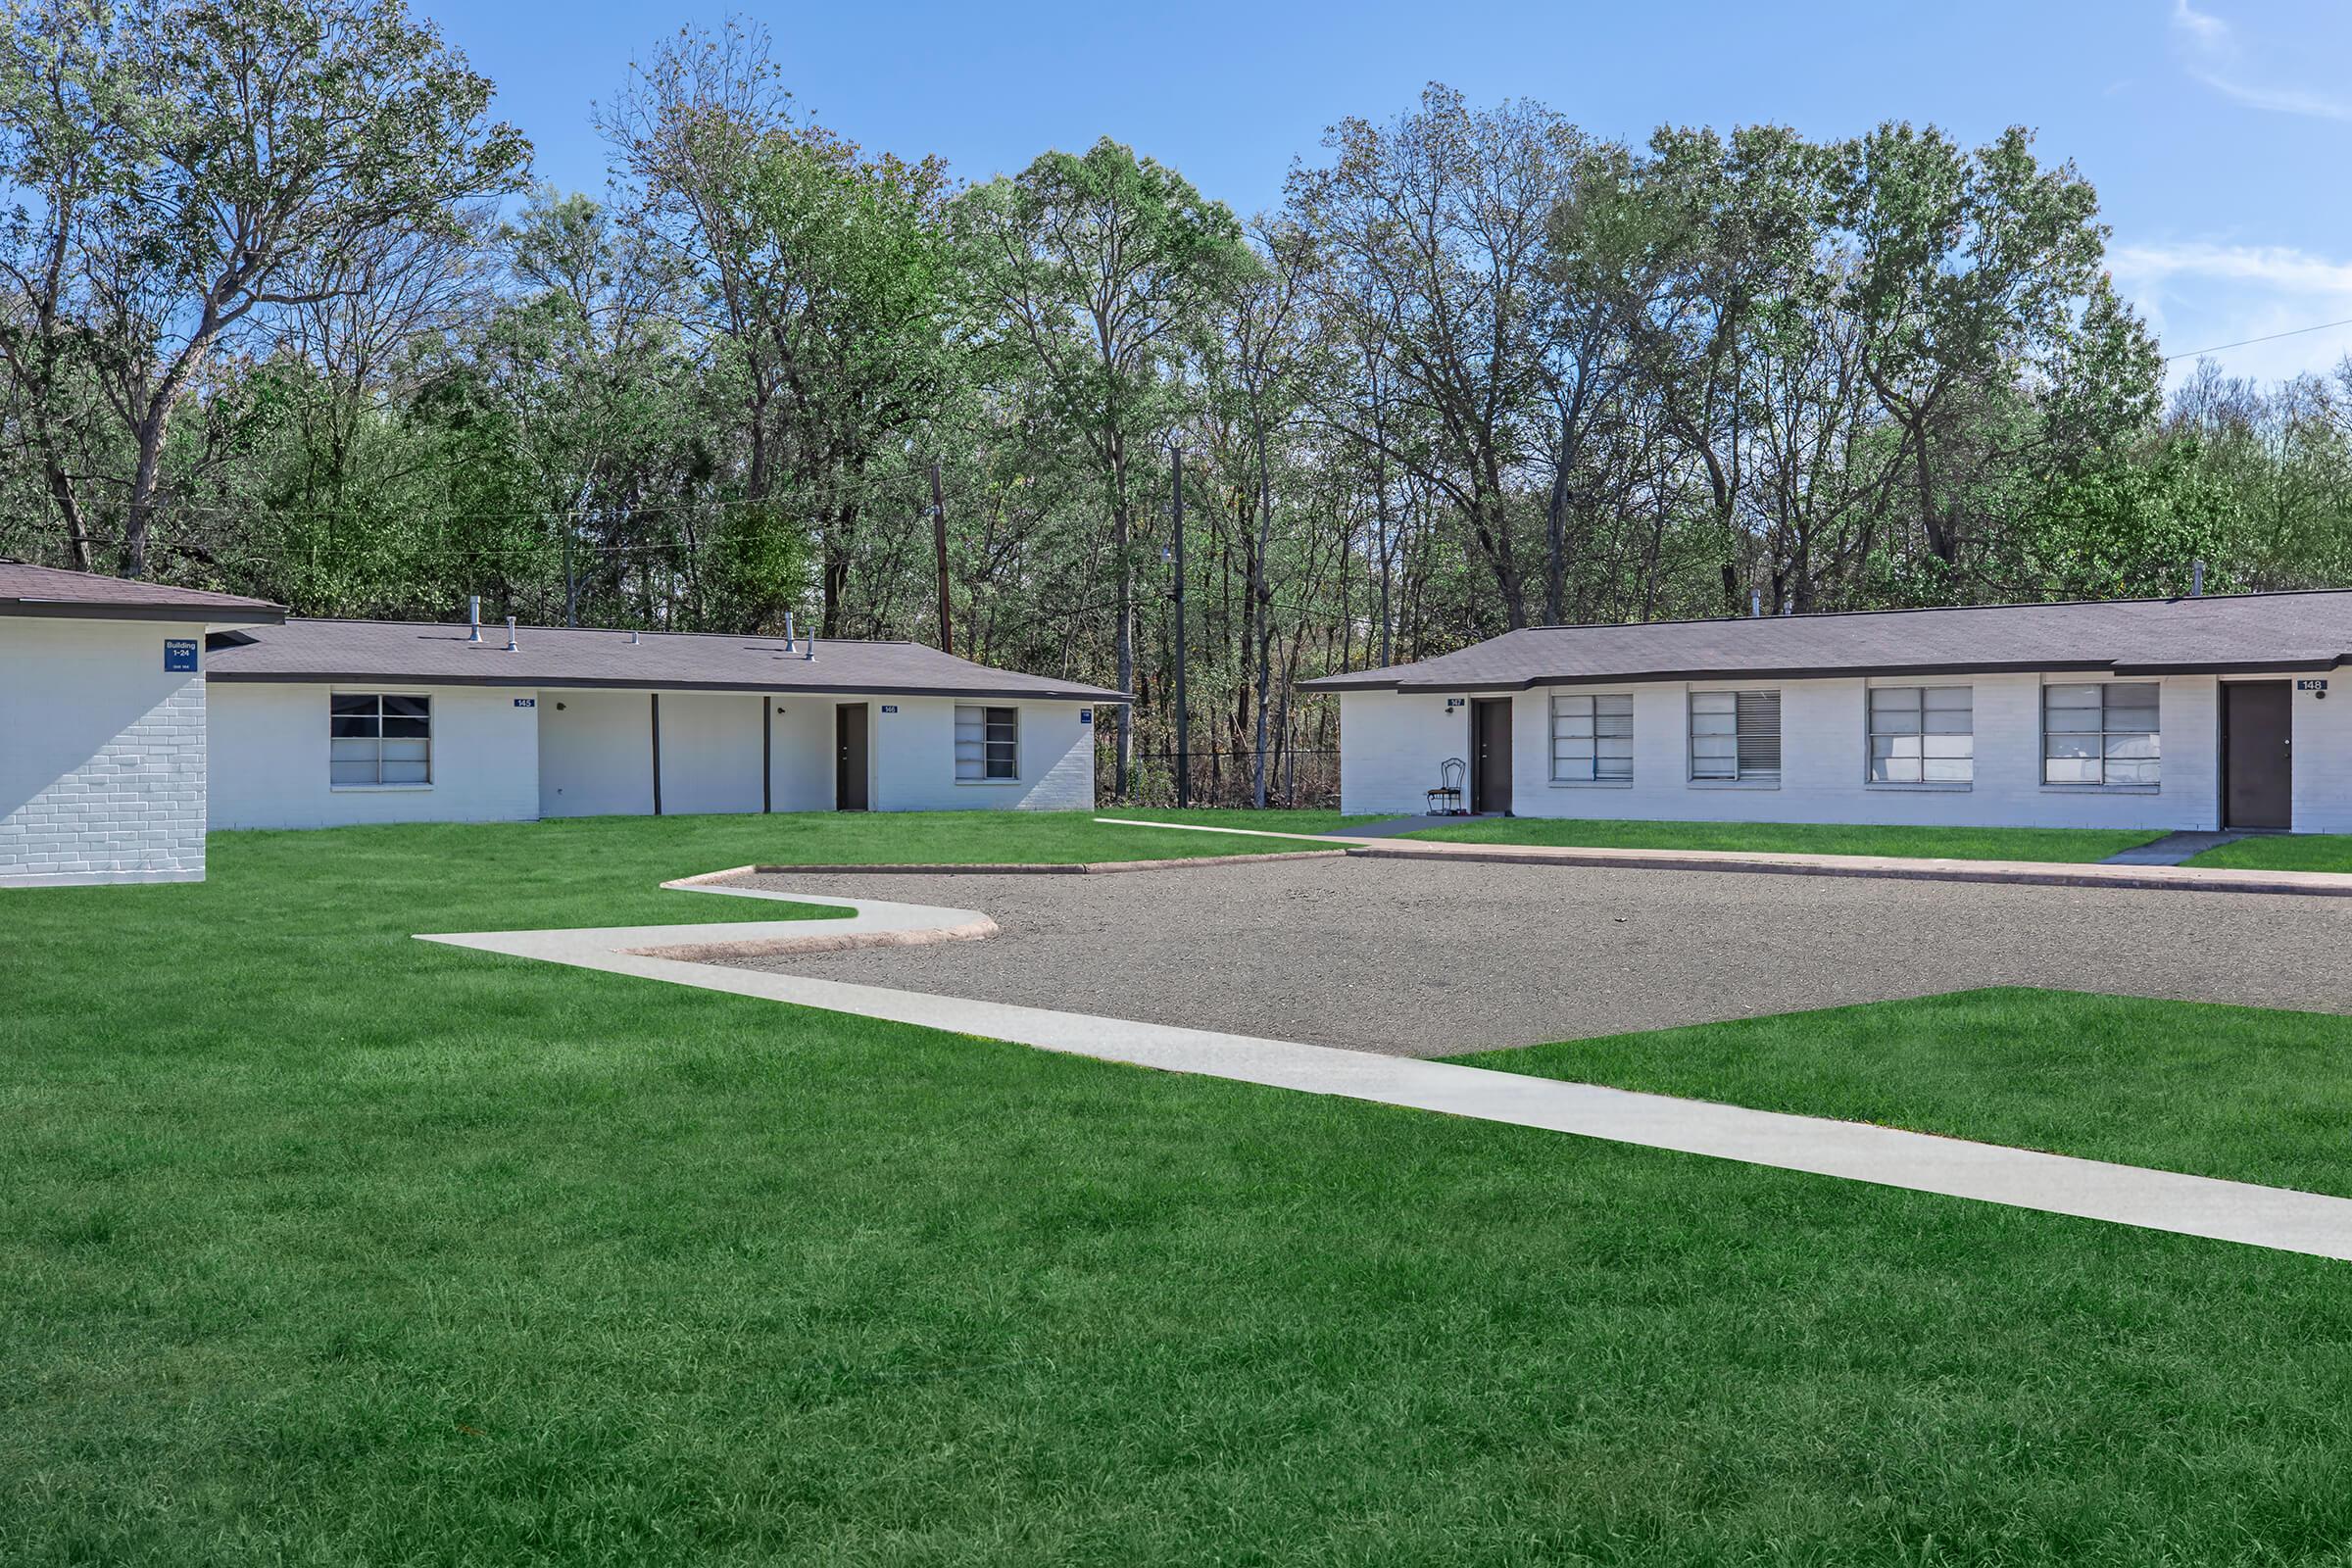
x,y
68,511
1387,553
1555,547
139,516
1262,630
1493,539
1121,531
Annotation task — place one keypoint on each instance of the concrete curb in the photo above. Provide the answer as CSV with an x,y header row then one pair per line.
x,y
1009,869
818,942
2089,874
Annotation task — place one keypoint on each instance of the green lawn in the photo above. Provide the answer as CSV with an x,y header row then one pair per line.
x,y
2234,1092
1270,821
1038,837
2301,852
322,1246
1800,838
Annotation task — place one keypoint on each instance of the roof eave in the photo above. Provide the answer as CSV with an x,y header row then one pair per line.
x,y
217,617
2238,667
352,677
1720,673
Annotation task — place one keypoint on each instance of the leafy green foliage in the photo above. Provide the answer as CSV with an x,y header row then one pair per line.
x,y
2133,528
1483,368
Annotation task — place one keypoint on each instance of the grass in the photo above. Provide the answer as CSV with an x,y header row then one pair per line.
x,y
1038,837
319,1244
1801,838
2242,1093
2301,852
1272,820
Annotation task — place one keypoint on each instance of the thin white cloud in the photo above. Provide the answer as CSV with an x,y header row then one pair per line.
x,y
2200,294
2212,53
2274,267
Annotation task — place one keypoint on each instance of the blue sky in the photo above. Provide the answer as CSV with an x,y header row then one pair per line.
x,y
2218,132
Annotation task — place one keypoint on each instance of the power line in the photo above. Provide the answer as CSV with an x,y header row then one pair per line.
x,y
2248,342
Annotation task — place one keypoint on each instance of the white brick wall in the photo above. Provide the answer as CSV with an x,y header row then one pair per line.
x,y
2323,755
102,755
269,759
914,759
1392,744
590,752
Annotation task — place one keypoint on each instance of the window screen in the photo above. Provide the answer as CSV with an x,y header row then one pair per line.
x,y
380,738
1592,736
2102,732
1735,735
988,742
1923,735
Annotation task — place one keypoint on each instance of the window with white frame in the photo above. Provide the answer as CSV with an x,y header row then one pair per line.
x,y
1923,735
2101,732
377,738
988,742
1735,735
1593,737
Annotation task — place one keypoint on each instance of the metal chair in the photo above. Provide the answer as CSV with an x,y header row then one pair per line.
x,y
1447,799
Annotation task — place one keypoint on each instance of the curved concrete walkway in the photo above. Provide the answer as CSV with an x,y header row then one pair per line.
x,y
2237,1211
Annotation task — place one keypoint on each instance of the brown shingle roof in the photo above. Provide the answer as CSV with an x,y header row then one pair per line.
x,y
2232,632
425,654
29,590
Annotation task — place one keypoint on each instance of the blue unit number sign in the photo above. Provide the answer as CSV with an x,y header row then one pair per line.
x,y
179,656
1086,716
890,708
527,701
2311,685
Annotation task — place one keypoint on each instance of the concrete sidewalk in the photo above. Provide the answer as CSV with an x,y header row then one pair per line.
x,y
2237,1211
2174,849
2046,873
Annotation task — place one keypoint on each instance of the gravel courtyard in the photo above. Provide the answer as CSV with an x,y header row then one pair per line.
x,y
1428,958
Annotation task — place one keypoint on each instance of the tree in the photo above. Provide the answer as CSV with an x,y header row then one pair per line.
x,y
74,129
2132,529
825,275
1433,225
273,139
1100,274
1974,273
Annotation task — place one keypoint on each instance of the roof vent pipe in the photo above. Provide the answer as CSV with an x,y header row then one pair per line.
x,y
1756,602
473,618
788,631
809,646
2196,579
510,634
632,636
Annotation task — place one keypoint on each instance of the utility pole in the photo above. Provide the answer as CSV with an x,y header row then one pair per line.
x,y
1184,716
939,547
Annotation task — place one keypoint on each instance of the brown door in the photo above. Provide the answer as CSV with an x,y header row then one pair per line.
x,y
849,759
2258,773
1491,754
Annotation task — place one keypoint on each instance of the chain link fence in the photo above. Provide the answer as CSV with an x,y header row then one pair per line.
x,y
1302,777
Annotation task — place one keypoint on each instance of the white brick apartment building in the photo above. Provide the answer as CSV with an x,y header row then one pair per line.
x,y
2197,712
102,726
119,761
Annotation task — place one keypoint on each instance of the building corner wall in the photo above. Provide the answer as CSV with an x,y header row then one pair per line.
x,y
103,770
2322,752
